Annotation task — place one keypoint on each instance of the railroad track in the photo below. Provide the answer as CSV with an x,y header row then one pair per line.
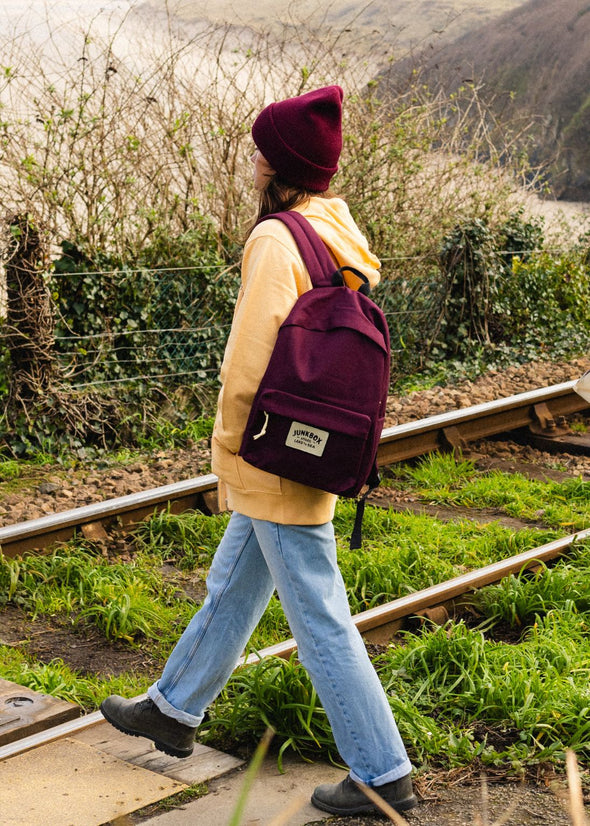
x,y
384,618
541,412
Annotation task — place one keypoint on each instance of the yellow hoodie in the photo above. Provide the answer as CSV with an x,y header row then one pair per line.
x,y
273,277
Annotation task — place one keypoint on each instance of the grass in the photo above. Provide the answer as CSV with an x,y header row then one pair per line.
x,y
506,704
57,679
126,601
167,433
510,691
188,540
273,694
17,475
520,600
442,480
459,694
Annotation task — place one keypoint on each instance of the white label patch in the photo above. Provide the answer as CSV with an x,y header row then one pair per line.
x,y
306,438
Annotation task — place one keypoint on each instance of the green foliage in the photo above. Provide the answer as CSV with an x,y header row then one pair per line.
x,y
441,479
58,680
166,315
506,297
469,262
516,703
69,424
10,469
276,694
189,539
119,599
524,599
188,431
475,262
547,298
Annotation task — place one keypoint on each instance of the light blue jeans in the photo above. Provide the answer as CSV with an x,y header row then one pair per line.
x,y
252,559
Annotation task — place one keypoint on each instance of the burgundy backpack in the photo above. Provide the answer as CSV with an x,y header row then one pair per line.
x,y
318,413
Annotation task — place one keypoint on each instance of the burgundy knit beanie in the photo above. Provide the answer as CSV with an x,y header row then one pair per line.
x,y
301,137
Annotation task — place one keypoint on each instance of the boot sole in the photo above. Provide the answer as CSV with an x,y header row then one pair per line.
x,y
169,750
365,808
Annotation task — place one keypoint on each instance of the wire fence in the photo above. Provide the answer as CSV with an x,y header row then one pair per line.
x,y
145,325
170,326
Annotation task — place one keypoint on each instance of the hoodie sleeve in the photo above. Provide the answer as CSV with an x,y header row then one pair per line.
x,y
273,276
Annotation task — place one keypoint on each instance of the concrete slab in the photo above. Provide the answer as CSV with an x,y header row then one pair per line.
x,y
274,798
73,784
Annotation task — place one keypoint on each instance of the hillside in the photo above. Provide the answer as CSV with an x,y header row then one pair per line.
x,y
533,60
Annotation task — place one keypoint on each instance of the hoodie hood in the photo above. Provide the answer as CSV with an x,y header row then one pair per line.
x,y
331,219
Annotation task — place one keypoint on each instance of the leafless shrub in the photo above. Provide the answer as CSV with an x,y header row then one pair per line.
x,y
104,148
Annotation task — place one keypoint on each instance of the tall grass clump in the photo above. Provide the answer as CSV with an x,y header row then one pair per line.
x,y
517,704
520,601
277,694
188,539
124,601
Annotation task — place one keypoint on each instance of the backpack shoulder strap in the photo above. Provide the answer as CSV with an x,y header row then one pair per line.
x,y
314,252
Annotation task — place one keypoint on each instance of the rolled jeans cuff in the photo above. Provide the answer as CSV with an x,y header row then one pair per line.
x,y
389,777
169,710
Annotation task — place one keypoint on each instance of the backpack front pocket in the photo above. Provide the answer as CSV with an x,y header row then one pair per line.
x,y
307,441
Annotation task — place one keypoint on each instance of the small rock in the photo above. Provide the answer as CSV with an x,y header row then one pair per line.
x,y
48,487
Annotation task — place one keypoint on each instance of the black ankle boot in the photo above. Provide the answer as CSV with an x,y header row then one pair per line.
x,y
142,718
347,798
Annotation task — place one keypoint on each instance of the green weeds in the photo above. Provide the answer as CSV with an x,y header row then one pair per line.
x,y
125,601
442,480
521,600
57,679
507,686
457,693
403,553
515,704
188,539
276,694
178,435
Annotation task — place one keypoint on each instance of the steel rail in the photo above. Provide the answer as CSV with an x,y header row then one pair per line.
x,y
382,615
418,601
535,408
543,408
36,534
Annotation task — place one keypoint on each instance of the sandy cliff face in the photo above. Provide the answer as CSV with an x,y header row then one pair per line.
x,y
403,23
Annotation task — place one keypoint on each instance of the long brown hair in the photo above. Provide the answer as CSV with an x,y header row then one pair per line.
x,y
278,196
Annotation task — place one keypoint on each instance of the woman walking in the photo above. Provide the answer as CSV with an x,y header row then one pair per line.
x,y
280,534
